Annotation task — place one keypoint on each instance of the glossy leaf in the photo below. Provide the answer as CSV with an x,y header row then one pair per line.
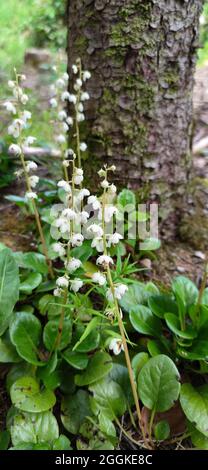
x,y
161,304
99,366
26,395
144,321
25,332
194,402
75,359
9,287
30,283
34,428
75,408
50,334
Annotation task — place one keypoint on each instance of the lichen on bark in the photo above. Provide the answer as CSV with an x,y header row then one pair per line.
x,y
142,57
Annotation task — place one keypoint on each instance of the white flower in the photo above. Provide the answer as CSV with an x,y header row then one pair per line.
x,y
64,185
65,96
116,346
54,103
80,107
24,98
74,69
65,76
83,146
77,239
104,184
58,248
62,281
104,260
11,84
62,224
26,115
78,84
31,166
85,96
84,216
112,188
29,140
86,75
114,238
60,83
108,213
57,292
119,292
69,121
62,115
61,139
34,180
78,176
99,278
73,264
76,284
70,214
16,127
10,107
94,201
31,195
15,149
95,230
65,127
72,98
80,117
98,244
112,168
82,194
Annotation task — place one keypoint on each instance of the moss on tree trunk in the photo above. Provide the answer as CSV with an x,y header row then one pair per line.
x,y
142,56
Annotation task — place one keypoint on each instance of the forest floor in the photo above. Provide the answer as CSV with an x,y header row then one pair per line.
x,y
174,257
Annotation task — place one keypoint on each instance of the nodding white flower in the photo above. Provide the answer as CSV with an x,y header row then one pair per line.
x,y
78,83
62,281
84,216
112,188
66,163
80,107
31,195
80,117
11,84
109,212
78,176
72,98
16,127
62,224
59,249
61,139
65,127
69,153
84,96
60,83
29,140
69,121
104,260
94,201
30,166
65,96
15,149
77,239
83,146
104,184
112,168
64,185
26,115
82,194
54,102
10,107
99,278
86,75
73,264
95,230
34,180
65,76
114,239
62,115
119,292
97,243
116,346
76,284
70,214
23,77
57,292
74,69
24,98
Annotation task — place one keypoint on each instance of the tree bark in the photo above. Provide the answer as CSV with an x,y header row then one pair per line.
x,y
142,56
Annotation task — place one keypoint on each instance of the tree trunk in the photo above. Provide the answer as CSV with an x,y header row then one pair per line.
x,y
142,56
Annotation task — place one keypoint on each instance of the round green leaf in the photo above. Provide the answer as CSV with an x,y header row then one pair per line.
x,y
27,396
174,324
162,430
108,398
158,383
75,359
9,287
62,443
30,283
194,403
25,332
99,366
139,361
185,290
75,408
50,334
160,304
145,322
8,352
90,343
34,428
